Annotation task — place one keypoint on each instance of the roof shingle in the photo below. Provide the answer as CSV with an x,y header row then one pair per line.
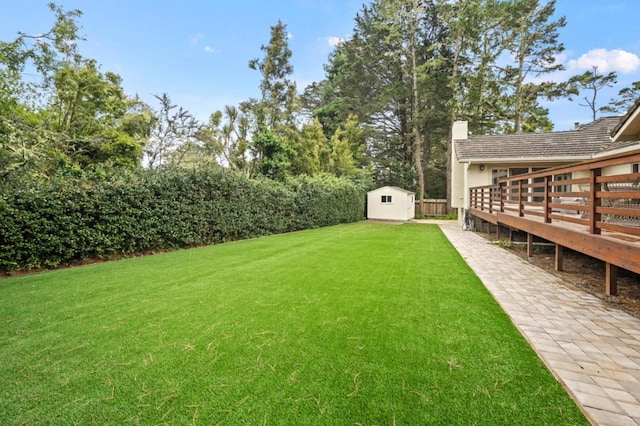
x,y
580,143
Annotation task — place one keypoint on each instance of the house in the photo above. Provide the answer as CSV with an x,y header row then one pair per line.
x,y
483,160
591,206
390,203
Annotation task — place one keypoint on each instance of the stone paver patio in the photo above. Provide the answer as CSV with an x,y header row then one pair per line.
x,y
591,348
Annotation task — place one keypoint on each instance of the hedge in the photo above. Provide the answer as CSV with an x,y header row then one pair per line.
x,y
60,220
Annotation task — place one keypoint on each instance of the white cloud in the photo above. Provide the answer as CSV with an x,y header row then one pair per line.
x,y
606,61
209,49
334,41
289,36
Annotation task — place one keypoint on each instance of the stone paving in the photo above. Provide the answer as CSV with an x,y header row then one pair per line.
x,y
591,348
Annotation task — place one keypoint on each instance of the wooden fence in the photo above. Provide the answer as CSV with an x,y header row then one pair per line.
x,y
432,207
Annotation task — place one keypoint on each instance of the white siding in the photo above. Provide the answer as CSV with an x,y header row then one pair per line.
x,y
458,188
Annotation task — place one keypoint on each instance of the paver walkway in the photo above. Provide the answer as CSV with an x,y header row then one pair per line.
x,y
592,349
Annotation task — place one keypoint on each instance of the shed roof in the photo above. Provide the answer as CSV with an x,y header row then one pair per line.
x,y
396,188
580,143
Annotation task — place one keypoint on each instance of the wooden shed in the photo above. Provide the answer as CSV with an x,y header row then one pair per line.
x,y
390,203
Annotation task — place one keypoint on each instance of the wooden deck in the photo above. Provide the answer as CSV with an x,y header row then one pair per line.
x,y
590,207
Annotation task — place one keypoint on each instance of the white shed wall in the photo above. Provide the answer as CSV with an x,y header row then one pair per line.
x,y
402,206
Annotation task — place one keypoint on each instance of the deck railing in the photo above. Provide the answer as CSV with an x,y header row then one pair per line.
x,y
600,194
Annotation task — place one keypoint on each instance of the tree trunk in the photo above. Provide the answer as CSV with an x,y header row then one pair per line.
x,y
417,137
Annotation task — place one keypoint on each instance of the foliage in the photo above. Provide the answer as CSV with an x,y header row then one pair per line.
x,y
310,150
76,214
382,95
626,99
412,67
278,103
532,38
55,104
234,137
273,154
173,128
593,81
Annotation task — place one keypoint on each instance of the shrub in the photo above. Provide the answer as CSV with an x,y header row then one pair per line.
x,y
69,217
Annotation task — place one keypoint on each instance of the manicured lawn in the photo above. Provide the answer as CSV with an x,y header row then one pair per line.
x,y
353,324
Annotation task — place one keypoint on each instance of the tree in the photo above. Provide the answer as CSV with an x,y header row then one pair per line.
x,y
384,89
172,127
355,136
404,16
532,37
235,138
310,150
593,82
42,53
627,97
341,161
275,112
27,66
57,106
273,155
87,111
278,103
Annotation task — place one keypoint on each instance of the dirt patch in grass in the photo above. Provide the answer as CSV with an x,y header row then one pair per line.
x,y
579,270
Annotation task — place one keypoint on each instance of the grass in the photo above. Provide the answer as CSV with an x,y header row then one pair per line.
x,y
352,324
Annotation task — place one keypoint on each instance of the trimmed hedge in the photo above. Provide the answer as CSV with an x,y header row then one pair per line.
x,y
66,219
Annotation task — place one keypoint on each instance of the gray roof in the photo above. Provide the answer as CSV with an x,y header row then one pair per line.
x,y
625,117
612,146
581,143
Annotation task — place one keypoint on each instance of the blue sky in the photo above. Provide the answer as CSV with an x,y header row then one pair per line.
x,y
198,51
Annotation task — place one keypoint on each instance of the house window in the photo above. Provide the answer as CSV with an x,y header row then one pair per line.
x,y
635,167
562,188
386,199
518,171
540,188
515,171
497,174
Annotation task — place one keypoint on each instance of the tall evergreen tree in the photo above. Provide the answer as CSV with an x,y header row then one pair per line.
x,y
593,82
627,97
275,112
278,103
532,38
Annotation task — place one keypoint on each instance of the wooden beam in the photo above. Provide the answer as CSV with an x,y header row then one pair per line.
x,y
611,280
558,261
529,245
483,215
615,251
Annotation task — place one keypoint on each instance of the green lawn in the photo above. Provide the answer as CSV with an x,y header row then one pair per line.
x,y
353,324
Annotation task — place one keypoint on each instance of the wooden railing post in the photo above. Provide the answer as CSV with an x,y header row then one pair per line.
x,y
520,205
491,199
594,201
501,191
547,199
